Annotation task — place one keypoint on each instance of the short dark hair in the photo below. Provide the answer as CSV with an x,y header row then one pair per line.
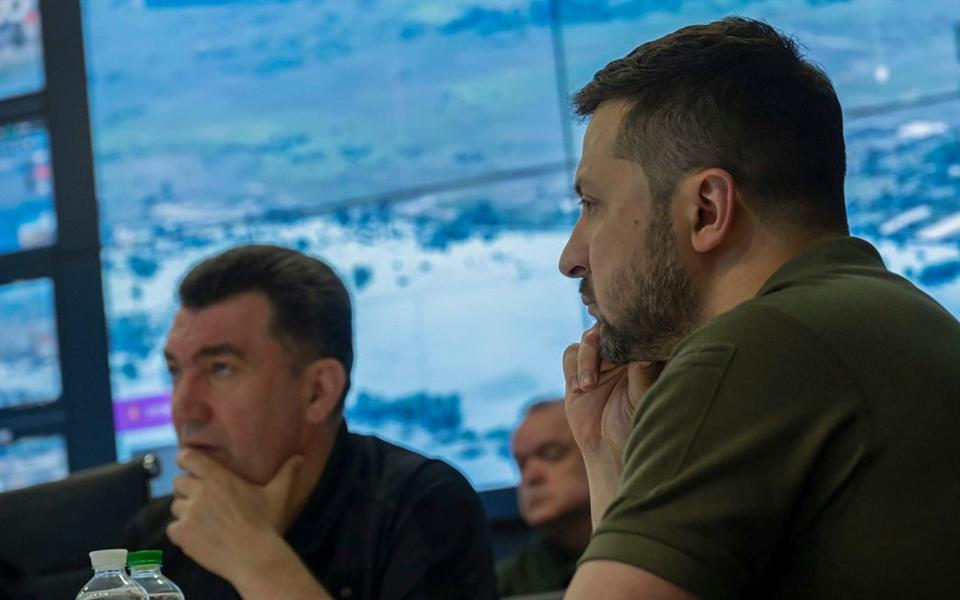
x,y
312,317
738,95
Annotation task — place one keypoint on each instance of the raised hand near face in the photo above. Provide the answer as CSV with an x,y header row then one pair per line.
x,y
601,398
223,521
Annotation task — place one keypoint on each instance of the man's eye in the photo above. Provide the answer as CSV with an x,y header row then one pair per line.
x,y
174,372
586,205
219,369
552,453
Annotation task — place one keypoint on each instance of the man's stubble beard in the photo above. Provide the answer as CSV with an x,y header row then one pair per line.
x,y
659,300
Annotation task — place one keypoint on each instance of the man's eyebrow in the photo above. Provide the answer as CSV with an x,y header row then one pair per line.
x,y
218,350
539,448
207,351
581,182
548,445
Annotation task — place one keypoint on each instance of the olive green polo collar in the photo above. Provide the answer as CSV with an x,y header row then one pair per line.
x,y
838,254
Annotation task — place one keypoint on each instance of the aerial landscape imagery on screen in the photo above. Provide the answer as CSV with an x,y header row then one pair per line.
x,y
425,149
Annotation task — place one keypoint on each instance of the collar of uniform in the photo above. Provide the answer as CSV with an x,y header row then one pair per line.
x,y
830,255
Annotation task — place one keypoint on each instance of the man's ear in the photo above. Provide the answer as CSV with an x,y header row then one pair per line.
x,y
326,380
709,207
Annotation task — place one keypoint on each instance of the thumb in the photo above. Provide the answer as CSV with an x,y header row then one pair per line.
x,y
279,486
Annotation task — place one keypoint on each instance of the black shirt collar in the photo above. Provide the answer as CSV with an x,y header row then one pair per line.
x,y
328,500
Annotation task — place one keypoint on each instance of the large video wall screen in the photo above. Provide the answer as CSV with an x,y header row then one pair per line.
x,y
425,150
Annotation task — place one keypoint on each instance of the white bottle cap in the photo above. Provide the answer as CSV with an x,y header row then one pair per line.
x,y
108,559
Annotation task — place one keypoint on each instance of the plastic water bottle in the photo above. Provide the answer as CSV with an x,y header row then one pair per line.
x,y
145,570
110,580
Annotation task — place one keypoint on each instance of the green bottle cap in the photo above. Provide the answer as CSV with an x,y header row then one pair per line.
x,y
145,557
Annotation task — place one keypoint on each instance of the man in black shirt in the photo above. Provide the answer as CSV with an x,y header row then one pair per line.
x,y
279,500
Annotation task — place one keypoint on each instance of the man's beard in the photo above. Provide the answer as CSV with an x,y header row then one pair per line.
x,y
660,304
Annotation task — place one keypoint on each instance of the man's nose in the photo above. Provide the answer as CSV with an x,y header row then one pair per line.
x,y
532,472
574,258
188,404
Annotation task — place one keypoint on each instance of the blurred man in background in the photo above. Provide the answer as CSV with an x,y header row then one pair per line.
x,y
554,501
279,500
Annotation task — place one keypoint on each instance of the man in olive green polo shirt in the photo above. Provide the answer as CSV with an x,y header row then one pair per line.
x,y
763,409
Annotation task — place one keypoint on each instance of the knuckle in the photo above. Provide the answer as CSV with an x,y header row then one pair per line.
x,y
590,337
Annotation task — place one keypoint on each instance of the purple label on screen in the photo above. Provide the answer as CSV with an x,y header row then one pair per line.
x,y
150,411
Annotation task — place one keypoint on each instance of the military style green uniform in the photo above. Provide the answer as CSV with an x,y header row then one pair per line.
x,y
804,445
538,566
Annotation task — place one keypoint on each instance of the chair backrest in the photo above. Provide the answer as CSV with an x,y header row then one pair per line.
x,y
48,529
